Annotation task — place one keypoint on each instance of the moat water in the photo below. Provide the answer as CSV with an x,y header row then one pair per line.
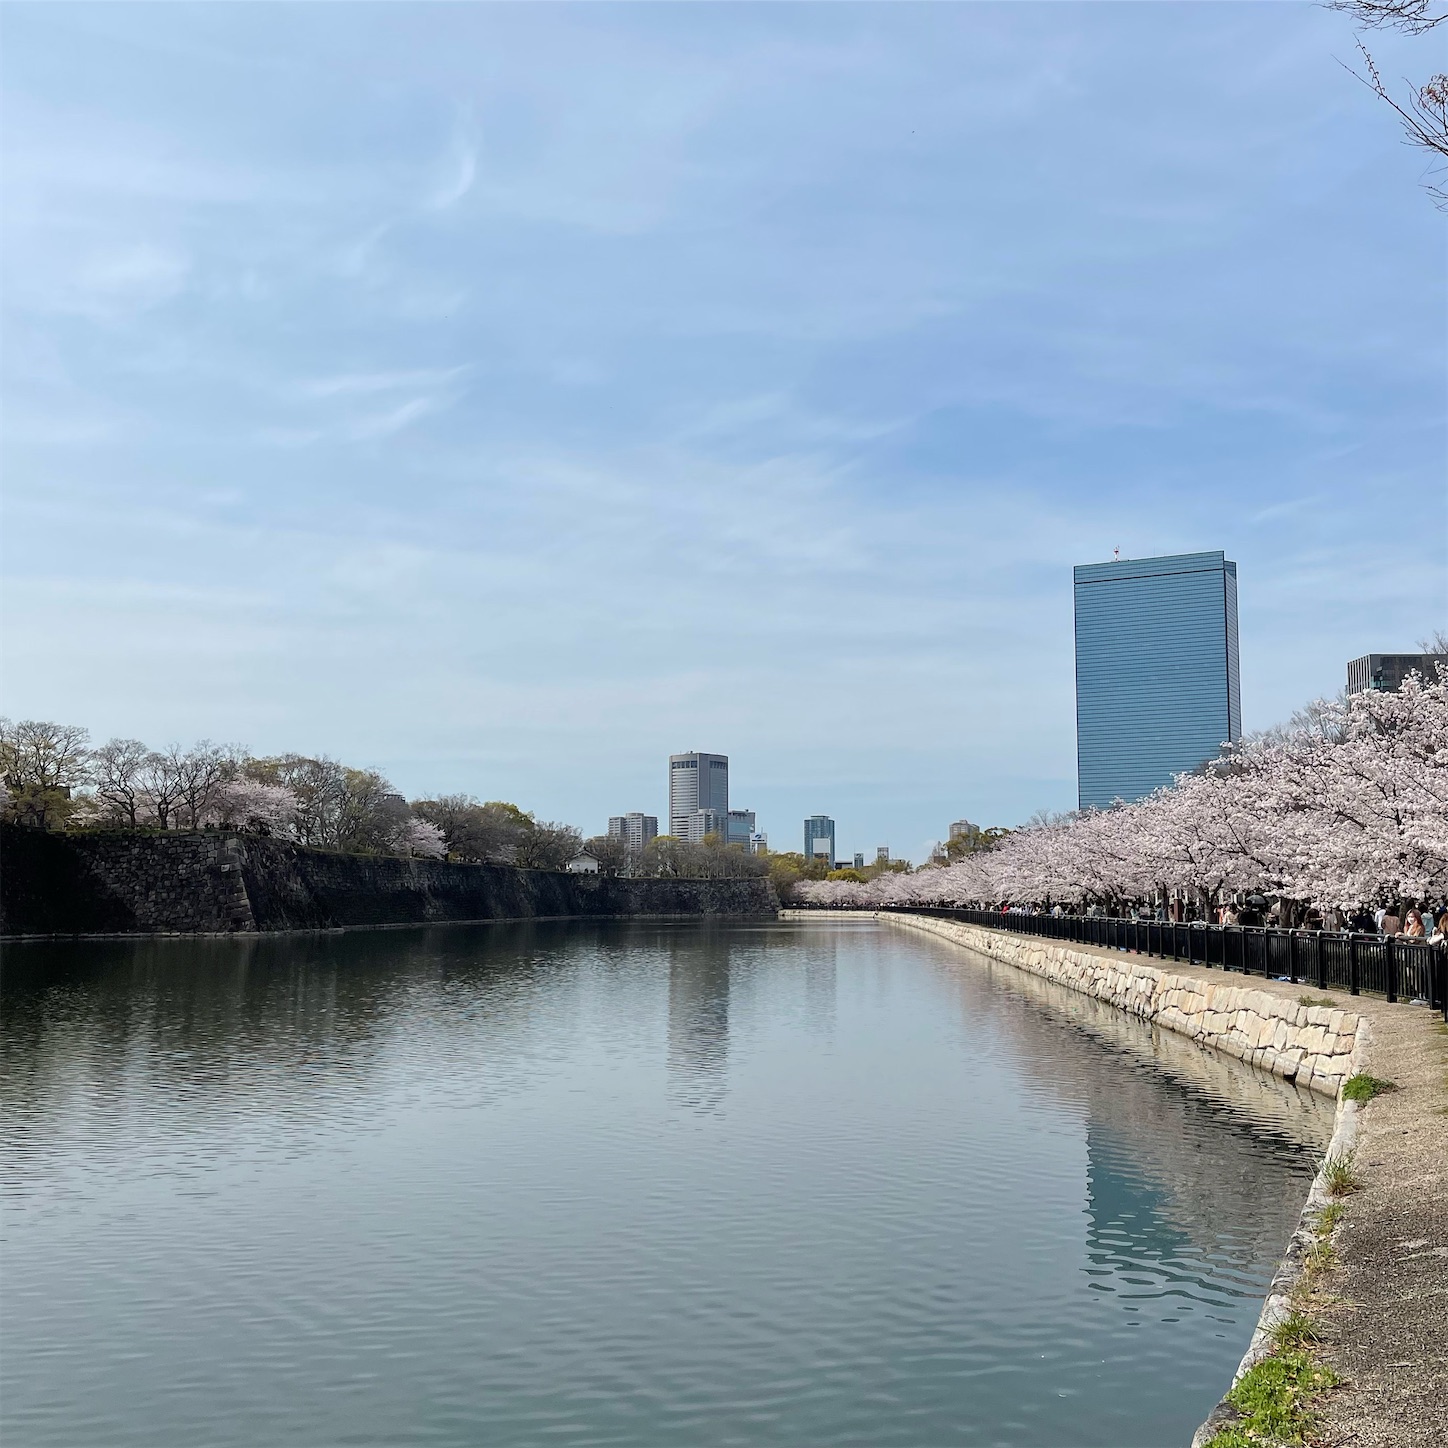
x,y
644,1183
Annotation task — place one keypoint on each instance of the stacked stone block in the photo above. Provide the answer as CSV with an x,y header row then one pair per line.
x,y
1315,1046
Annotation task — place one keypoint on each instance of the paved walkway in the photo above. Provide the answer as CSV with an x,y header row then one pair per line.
x,y
1387,1334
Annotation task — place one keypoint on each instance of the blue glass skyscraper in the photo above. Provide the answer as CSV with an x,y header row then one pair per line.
x,y
819,838
1157,688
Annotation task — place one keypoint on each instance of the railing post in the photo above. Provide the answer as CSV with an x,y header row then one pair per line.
x,y
1292,956
1390,961
1321,961
1352,965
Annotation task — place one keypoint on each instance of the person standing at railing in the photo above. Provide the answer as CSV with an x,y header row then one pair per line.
x,y
1390,922
1413,925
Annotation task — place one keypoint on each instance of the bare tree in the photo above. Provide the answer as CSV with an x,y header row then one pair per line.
x,y
317,786
116,769
159,787
198,773
1435,642
548,846
611,852
1423,110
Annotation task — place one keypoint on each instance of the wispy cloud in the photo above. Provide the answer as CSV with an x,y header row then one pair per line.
x,y
533,383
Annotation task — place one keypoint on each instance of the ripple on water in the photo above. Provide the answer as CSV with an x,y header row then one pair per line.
x,y
640,1184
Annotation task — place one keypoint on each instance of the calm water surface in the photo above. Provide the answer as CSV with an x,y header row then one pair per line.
x,y
635,1184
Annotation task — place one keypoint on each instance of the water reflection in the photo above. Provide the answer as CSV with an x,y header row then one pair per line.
x,y
1175,1140
820,988
699,1022
646,1184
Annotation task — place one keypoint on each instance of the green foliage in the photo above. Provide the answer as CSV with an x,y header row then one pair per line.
x,y
1307,1000
1275,1400
1296,1330
1339,1176
41,763
1329,1217
1363,1087
974,843
854,876
787,868
497,832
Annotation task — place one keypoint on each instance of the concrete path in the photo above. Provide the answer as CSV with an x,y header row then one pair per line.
x,y
1387,1332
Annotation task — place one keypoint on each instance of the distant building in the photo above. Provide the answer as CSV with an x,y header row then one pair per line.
x,y
758,844
583,863
859,859
1157,687
696,781
963,830
634,829
882,854
1386,672
739,828
702,822
819,838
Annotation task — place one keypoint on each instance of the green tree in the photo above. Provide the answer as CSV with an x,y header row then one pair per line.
x,y
41,764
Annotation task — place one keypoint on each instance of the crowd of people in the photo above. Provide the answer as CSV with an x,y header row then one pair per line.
x,y
1417,921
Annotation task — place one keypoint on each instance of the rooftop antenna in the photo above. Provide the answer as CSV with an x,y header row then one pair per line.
x,y
1116,554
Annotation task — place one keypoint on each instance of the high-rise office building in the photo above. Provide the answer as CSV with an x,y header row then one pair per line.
x,y
819,838
859,859
696,781
1386,672
739,828
702,822
1157,690
882,854
634,829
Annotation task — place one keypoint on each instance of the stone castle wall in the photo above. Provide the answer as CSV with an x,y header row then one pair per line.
x,y
215,883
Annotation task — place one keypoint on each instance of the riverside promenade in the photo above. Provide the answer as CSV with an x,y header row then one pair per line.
x,y
1379,1310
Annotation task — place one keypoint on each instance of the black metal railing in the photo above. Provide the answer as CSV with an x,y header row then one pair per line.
x,y
1394,966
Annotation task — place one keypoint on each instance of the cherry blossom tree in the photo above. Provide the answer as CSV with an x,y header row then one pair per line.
x,y
1344,807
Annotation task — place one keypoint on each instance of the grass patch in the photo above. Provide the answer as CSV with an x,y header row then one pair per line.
x,y
1274,1399
1339,1175
1295,1330
1316,1001
1363,1087
1319,1258
1329,1217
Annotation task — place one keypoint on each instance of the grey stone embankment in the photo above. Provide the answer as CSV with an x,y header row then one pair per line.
x,y
1383,1327
215,883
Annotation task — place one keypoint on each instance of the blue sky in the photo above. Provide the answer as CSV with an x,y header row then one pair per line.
x,y
507,396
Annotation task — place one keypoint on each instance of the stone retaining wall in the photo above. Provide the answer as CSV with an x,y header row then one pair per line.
x,y
214,883
1315,1046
